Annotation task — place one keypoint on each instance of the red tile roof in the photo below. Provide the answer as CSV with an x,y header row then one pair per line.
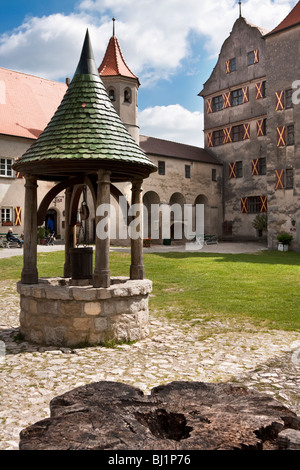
x,y
293,19
166,148
27,103
113,63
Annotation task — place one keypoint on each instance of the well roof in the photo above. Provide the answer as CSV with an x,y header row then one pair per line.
x,y
85,134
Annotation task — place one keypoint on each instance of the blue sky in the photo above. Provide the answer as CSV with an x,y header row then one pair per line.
x,y
170,44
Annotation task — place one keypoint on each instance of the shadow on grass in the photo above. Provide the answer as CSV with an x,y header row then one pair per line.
x,y
290,258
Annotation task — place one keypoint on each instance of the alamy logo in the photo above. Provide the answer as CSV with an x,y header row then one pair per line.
x,y
296,94
160,221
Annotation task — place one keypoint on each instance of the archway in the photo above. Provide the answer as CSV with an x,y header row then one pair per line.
x,y
152,217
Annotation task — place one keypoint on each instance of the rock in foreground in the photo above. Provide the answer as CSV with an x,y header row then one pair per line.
x,y
180,415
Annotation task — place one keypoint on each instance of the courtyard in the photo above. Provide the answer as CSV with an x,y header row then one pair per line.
x,y
229,313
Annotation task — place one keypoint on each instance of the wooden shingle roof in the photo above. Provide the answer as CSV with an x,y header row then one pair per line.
x,y
85,133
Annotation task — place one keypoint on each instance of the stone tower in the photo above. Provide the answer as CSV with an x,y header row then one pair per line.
x,y
121,84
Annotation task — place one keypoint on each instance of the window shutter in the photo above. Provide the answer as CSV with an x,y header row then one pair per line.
x,y
227,66
245,94
226,100
256,56
227,135
263,204
244,208
279,96
281,136
279,176
232,170
210,139
255,167
209,106
246,132
18,220
260,128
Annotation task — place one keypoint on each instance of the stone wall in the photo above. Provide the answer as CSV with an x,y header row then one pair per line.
x,y
55,312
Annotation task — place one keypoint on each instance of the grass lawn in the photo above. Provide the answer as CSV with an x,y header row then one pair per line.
x,y
263,288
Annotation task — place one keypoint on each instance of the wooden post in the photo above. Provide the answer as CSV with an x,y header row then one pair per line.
x,y
137,270
68,232
102,273
30,272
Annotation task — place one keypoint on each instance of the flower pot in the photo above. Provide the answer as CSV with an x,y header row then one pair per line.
x,y
283,247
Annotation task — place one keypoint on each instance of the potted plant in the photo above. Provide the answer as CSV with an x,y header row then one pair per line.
x,y
41,235
284,240
147,242
260,223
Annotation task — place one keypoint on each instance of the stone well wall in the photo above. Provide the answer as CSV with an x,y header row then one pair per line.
x,y
57,312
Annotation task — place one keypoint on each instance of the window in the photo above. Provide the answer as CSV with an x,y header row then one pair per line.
x,y
261,90
6,167
237,133
288,99
232,65
253,57
254,205
161,168
262,166
237,97
290,135
217,103
187,171
289,179
218,138
239,169
214,174
6,214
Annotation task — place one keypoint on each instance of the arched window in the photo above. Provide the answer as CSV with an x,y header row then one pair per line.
x,y
127,95
111,94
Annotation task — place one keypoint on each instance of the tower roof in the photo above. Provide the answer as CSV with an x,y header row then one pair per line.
x,y
85,134
293,19
113,63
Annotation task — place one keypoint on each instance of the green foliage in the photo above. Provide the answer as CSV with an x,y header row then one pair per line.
x,y
261,222
285,238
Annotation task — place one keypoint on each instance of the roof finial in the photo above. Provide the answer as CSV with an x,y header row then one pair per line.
x,y
114,31
240,5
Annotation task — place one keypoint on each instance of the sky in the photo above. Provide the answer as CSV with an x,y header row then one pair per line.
x,y
171,45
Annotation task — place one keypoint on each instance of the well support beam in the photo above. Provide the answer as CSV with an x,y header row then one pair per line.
x,y
137,270
102,273
30,272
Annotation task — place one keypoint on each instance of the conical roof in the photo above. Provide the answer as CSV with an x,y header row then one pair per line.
x,y
85,134
113,63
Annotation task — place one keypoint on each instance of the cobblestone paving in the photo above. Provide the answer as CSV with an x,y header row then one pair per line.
x,y
30,376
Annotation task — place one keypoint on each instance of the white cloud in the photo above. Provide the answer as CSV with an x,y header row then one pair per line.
x,y
173,123
154,35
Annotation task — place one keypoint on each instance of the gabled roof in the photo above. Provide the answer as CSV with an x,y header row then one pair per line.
x,y
113,63
169,149
26,102
85,134
292,20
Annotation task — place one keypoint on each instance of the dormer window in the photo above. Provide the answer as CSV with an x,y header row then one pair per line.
x,y
127,95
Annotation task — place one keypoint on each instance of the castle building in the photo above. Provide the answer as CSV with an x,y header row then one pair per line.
x,y
251,125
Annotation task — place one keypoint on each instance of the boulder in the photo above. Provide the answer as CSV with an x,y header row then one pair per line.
x,y
179,415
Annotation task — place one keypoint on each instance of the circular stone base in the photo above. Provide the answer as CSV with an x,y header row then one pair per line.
x,y
57,312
